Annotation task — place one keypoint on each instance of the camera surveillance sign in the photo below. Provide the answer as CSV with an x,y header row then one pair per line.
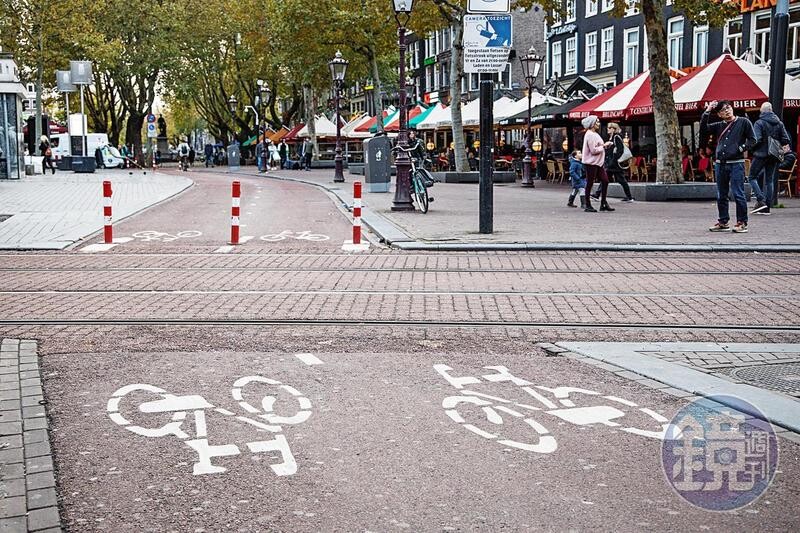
x,y
489,6
487,43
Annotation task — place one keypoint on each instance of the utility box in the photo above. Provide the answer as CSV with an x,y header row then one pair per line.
x,y
233,156
377,163
83,164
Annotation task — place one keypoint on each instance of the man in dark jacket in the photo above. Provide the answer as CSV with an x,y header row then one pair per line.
x,y
767,126
208,152
734,136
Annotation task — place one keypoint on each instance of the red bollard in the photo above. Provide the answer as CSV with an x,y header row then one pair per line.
x,y
356,212
235,196
107,231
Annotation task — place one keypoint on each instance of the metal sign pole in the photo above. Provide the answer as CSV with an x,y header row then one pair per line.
x,y
84,147
69,128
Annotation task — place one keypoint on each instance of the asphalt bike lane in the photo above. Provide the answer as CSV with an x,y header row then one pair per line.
x,y
275,213
270,440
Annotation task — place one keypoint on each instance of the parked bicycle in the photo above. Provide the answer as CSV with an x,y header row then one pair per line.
x,y
421,180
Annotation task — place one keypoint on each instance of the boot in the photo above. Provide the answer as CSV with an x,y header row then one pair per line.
x,y
605,207
571,202
588,207
583,202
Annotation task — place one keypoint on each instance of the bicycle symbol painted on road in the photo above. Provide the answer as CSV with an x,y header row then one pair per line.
x,y
556,402
158,236
300,235
262,418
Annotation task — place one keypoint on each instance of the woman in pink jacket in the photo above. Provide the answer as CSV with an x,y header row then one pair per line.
x,y
594,155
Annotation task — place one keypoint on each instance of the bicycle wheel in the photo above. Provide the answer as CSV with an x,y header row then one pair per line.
x,y
421,193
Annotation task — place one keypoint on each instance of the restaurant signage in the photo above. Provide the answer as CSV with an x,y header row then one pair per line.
x,y
754,5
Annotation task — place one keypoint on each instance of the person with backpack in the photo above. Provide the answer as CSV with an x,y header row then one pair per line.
x,y
47,154
769,130
183,153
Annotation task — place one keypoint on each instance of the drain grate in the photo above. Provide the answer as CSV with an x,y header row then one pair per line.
x,y
3,218
783,377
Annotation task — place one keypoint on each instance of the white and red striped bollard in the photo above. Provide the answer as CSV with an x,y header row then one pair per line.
x,y
108,234
356,212
236,193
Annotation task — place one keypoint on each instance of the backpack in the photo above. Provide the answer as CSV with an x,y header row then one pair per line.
x,y
184,150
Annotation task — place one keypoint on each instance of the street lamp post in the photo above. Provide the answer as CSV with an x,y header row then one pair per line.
x,y
233,104
264,94
338,66
530,63
402,193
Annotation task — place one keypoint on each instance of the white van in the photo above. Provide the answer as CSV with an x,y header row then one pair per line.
x,y
111,158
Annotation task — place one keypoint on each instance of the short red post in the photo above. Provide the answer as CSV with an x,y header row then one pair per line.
x,y
356,212
108,235
236,194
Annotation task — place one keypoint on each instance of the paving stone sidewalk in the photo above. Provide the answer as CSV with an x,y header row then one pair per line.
x,y
28,500
57,210
540,215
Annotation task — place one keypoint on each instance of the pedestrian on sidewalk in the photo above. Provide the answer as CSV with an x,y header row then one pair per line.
x,y
734,137
593,157
272,155
613,169
283,152
192,156
577,178
767,127
307,152
261,150
47,154
208,152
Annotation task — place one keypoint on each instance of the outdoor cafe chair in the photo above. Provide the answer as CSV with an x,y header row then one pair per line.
x,y
551,171
787,179
560,170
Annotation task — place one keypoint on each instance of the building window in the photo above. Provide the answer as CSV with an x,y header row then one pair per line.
x,y
572,55
733,37
675,42
444,74
700,46
645,52
430,78
571,10
607,58
631,8
474,81
503,79
608,5
630,58
793,50
446,39
761,36
591,51
591,8
555,53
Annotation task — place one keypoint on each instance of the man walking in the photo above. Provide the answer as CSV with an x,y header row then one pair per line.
x,y
208,152
768,126
734,136
308,151
283,151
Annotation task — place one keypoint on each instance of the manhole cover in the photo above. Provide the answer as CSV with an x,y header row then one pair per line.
x,y
3,218
784,377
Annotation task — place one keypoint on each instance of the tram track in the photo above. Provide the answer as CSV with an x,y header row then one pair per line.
x,y
241,322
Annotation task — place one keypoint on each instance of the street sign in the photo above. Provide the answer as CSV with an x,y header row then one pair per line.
x,y
489,6
151,118
151,131
487,43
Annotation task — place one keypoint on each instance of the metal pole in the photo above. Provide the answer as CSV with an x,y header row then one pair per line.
x,y
84,147
338,174
69,128
778,70
402,192
527,161
486,192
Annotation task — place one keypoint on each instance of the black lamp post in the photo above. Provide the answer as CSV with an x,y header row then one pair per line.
x,y
531,63
233,105
338,66
402,192
264,94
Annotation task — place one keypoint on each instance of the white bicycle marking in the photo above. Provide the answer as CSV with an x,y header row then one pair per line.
x,y
288,234
158,236
180,406
494,407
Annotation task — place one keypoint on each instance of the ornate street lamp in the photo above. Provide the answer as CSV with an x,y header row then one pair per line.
x,y
233,104
402,192
530,63
338,66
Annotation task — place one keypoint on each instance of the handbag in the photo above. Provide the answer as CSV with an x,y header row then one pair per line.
x,y
626,154
49,153
775,149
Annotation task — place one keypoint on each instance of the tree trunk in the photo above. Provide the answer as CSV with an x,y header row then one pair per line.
x,y
133,134
668,147
311,106
456,75
39,71
377,101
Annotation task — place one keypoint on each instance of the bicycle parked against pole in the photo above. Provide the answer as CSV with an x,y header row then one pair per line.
x,y
421,180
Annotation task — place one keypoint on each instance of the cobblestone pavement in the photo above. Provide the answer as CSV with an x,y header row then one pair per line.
x,y
377,451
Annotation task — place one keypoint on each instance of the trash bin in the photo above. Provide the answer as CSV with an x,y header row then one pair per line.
x,y
83,164
377,163
29,170
65,163
233,156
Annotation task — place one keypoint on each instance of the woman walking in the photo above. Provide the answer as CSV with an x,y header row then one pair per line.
x,y
613,153
47,154
594,153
